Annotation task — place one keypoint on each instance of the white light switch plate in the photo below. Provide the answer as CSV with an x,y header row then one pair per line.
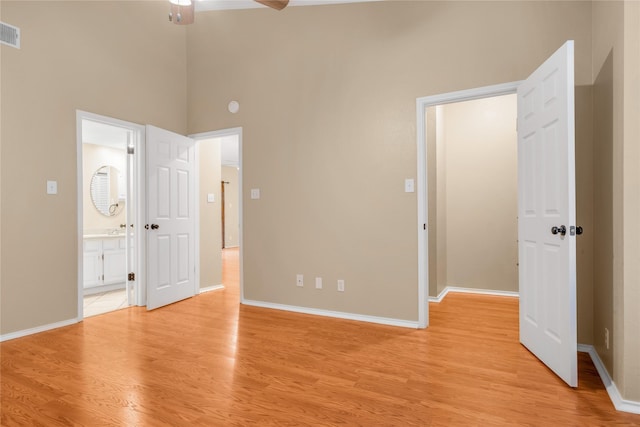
x,y
211,198
409,185
255,193
52,187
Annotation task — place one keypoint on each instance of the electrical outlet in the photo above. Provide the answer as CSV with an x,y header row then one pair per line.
x,y
340,285
299,280
606,338
318,282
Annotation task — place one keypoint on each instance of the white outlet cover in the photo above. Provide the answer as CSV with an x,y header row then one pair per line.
x,y
318,282
52,187
255,193
409,185
211,198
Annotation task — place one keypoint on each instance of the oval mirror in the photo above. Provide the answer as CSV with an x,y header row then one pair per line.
x,y
108,190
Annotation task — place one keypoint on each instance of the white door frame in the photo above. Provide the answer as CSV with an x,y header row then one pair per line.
x,y
138,132
423,233
211,135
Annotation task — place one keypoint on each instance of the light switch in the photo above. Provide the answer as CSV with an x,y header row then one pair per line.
x,y
211,198
255,193
409,186
52,187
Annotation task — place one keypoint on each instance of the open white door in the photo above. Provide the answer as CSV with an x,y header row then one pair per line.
x,y
171,217
546,214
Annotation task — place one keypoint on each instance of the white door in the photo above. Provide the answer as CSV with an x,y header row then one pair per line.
x,y
546,205
171,217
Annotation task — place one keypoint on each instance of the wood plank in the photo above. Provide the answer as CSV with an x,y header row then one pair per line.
x,y
210,361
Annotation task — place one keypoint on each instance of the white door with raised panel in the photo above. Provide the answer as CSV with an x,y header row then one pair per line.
x,y
170,217
547,214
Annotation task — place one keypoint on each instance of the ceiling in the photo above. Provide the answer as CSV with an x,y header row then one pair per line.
x,y
202,5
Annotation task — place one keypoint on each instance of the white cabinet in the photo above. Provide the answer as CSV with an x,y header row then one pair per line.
x,y
104,262
92,265
115,262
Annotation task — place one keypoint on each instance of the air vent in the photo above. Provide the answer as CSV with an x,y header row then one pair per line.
x,y
9,35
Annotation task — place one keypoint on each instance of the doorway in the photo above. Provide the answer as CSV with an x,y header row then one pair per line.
x,y
473,197
107,210
423,104
546,208
220,203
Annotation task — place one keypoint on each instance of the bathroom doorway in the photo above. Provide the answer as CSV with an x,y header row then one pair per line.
x,y
107,210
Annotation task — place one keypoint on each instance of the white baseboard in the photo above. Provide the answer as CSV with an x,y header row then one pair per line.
x,y
38,329
336,314
211,288
615,396
448,289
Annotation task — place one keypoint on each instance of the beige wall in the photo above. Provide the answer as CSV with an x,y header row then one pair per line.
x,y
603,211
629,379
616,57
118,59
210,224
482,193
93,158
232,207
329,127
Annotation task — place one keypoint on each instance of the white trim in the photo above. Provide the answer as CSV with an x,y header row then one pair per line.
x,y
336,314
616,398
476,291
422,188
211,288
423,209
37,329
218,134
196,226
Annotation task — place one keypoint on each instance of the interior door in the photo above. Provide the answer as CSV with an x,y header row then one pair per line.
x,y
546,214
171,217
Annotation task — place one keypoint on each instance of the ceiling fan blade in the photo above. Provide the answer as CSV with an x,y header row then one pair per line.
x,y
274,4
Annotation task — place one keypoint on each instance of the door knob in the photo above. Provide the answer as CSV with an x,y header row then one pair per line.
x,y
579,230
562,230
154,226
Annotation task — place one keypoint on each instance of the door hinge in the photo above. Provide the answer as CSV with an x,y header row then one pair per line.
x,y
131,277
424,226
130,150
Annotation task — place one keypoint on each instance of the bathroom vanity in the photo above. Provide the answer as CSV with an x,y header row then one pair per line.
x,y
104,264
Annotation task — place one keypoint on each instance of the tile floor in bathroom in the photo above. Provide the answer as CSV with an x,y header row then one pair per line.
x,y
105,302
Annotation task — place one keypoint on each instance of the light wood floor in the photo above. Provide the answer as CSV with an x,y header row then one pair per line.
x,y
208,361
